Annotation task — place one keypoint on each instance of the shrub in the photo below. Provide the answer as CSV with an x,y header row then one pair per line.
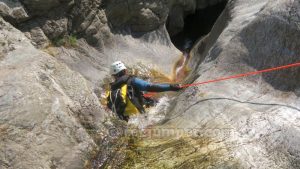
x,y
66,41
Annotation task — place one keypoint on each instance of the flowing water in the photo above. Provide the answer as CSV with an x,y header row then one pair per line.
x,y
120,149
181,69
117,147
144,142
154,115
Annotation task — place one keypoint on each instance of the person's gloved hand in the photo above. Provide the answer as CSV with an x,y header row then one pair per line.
x,y
175,87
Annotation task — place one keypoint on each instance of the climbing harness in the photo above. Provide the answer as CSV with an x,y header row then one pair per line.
x,y
114,101
124,99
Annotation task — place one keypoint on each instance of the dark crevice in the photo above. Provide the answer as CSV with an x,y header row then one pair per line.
x,y
197,25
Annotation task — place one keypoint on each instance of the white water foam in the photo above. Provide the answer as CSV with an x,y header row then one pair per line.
x,y
153,115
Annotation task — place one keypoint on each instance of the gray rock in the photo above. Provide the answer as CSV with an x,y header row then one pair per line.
x,y
33,32
45,109
53,24
13,11
139,16
54,28
85,59
40,7
47,103
5,10
253,118
87,20
175,22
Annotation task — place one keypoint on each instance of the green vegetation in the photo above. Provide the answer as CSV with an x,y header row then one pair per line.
x,y
66,41
184,152
139,150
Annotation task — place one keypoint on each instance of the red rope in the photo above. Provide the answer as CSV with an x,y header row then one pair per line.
x,y
243,75
149,94
236,76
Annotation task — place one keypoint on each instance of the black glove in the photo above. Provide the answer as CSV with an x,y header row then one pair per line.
x,y
175,87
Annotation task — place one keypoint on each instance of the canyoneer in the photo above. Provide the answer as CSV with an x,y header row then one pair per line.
x,y
125,97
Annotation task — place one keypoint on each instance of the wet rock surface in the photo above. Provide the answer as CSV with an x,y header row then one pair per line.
x,y
51,117
253,116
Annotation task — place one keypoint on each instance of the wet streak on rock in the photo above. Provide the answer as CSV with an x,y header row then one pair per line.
x,y
180,70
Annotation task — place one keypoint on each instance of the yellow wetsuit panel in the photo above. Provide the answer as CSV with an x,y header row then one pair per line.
x,y
130,108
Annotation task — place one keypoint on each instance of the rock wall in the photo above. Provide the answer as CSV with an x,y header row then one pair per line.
x,y
253,118
48,103
180,9
99,24
46,108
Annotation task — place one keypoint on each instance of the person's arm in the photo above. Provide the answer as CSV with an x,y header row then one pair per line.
x,y
150,87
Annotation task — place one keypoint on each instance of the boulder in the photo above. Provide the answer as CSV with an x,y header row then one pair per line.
x,y
139,16
14,11
88,20
37,36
